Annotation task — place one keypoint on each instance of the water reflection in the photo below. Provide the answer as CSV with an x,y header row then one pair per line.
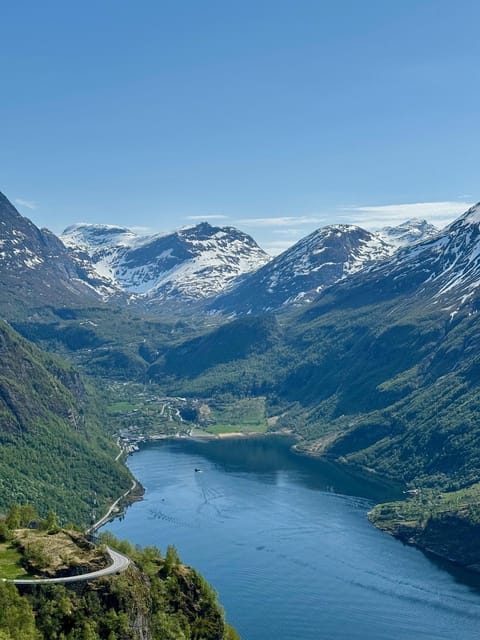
x,y
272,460
286,542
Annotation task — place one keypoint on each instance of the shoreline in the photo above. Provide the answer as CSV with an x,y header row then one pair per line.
x,y
240,435
447,559
114,512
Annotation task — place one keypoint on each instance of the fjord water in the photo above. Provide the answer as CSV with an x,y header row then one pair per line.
x,y
286,542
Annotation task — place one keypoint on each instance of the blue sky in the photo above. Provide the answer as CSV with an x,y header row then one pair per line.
x,y
274,116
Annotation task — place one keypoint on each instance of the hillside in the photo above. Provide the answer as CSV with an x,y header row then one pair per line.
x,y
52,450
156,597
324,257
382,372
37,269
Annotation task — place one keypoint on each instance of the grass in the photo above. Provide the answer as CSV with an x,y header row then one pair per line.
x,y
10,567
235,428
246,415
428,504
121,407
60,551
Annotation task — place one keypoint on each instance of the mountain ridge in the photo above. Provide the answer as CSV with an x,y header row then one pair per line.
x,y
36,266
319,260
180,266
188,264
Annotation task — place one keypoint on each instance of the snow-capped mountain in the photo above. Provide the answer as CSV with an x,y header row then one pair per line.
x,y
192,263
409,232
221,268
35,267
443,271
302,271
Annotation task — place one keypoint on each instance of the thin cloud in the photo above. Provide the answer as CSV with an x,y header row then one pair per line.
x,y
29,204
282,221
375,216
142,231
276,247
207,216
288,231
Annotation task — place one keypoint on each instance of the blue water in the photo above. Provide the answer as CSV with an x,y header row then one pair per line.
x,y
286,542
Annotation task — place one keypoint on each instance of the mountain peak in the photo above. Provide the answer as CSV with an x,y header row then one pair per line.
x,y
35,265
83,235
444,267
409,232
93,227
325,256
202,226
471,216
189,263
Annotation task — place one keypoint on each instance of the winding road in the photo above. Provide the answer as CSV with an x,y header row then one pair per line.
x,y
119,564
112,509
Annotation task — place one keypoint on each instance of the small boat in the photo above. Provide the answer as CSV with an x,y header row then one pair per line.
x,y
198,470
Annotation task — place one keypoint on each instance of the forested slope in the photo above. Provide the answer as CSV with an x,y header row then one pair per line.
x,y
53,451
156,598
382,371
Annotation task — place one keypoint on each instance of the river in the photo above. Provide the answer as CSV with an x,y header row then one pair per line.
x,y
286,542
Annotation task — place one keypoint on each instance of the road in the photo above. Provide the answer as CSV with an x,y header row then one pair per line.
x,y
122,450
119,564
113,508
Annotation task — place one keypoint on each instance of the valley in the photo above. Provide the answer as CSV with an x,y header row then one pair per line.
x,y
239,320
373,368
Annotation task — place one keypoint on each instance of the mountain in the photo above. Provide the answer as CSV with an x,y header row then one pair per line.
x,y
443,271
315,262
381,371
409,232
35,267
52,450
189,264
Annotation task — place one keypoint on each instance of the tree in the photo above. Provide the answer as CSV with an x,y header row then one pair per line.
x,y
171,559
5,533
28,514
17,620
51,522
13,517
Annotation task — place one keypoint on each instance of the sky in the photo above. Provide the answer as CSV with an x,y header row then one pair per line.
x,y
274,116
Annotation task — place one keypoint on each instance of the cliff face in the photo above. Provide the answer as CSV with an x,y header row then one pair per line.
x,y
156,598
446,524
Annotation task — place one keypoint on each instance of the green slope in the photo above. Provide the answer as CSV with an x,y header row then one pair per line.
x,y
388,383
157,597
53,451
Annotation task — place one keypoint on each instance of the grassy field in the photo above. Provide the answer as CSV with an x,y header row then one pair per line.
x,y
10,566
240,416
121,407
